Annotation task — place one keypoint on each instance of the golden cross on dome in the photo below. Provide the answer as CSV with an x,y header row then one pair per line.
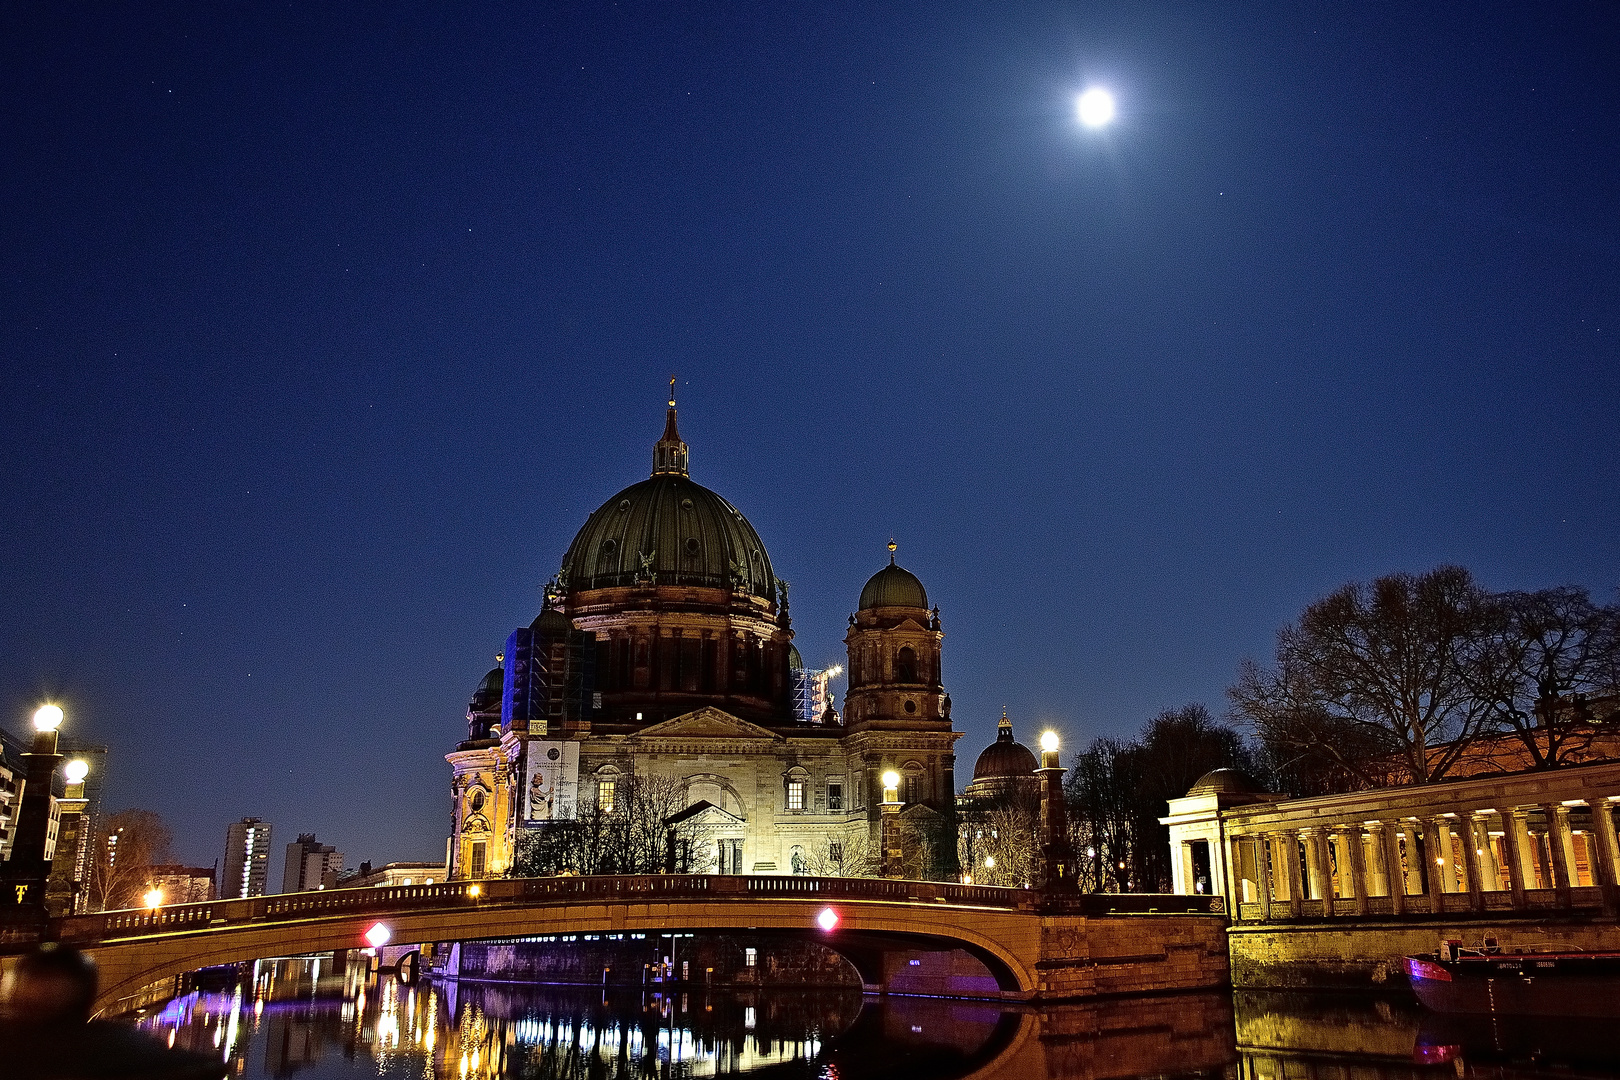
x,y
672,391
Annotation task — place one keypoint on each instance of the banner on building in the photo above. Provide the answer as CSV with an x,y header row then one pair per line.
x,y
552,781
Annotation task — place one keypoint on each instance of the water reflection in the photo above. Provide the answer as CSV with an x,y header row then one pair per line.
x,y
315,1020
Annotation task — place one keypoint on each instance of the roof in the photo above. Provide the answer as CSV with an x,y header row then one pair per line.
x,y
894,586
1226,782
668,530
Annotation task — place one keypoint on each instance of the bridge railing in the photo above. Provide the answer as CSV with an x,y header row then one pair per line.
x,y
397,899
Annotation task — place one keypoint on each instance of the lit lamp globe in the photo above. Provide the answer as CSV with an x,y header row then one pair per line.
x,y
1049,741
891,786
76,770
153,897
47,718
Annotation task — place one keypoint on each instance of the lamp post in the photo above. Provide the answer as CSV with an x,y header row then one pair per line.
x,y
1057,854
28,870
67,865
893,857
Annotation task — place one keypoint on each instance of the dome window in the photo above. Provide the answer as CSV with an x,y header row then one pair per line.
x,y
692,546
609,547
686,504
911,706
624,504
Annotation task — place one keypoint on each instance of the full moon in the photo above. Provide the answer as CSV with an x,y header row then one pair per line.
x,y
1095,106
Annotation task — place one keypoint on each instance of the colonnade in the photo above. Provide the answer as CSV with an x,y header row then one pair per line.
x,y
1529,841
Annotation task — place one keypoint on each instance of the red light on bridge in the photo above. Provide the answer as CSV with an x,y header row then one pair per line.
x,y
827,919
378,936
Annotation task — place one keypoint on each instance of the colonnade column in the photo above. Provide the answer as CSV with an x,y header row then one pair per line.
x,y
1378,864
1287,847
1562,849
1353,864
1516,839
1471,859
1608,847
1392,866
1316,869
1437,861
1262,873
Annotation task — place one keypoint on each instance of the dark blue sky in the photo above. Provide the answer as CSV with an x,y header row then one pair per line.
x,y
322,329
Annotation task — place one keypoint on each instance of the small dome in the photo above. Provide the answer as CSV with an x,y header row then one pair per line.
x,y
795,661
1004,757
1226,782
551,622
894,586
487,697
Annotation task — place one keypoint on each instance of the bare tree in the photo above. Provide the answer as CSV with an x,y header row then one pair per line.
x,y
1118,790
635,835
1375,678
1001,845
851,854
1548,654
126,847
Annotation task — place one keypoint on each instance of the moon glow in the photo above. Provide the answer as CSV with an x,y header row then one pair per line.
x,y
1095,107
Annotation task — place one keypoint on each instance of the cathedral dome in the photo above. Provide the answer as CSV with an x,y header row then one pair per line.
x,y
668,530
1004,757
893,586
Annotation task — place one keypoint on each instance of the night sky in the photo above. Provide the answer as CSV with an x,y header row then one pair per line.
x,y
322,329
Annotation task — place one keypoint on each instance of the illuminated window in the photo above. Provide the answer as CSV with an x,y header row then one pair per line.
x,y
604,795
750,957
835,795
795,795
478,858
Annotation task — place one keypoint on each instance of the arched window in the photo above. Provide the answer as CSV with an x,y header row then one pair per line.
x,y
905,665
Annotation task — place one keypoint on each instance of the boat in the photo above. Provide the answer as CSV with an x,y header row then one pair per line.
x,y
1518,982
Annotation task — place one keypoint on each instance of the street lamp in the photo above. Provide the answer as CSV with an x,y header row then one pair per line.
x,y
153,898
28,870
889,813
1057,854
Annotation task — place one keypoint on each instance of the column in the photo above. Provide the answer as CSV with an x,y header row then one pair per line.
x,y
1324,859
1262,873
1562,848
1377,859
1314,876
1237,877
1516,838
1608,852
1178,868
1353,865
1392,866
1289,845
1437,857
1471,859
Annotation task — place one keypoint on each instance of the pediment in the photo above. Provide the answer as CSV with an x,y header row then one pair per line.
x,y
705,814
706,723
910,624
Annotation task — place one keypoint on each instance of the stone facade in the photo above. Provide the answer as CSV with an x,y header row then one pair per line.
x,y
665,649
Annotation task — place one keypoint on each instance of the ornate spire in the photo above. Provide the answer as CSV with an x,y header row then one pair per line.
x,y
669,453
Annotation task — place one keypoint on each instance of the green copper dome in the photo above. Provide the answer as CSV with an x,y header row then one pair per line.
x,y
894,586
668,530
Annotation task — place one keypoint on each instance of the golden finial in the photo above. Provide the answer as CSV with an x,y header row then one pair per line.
x,y
672,391
1004,721
500,658
893,547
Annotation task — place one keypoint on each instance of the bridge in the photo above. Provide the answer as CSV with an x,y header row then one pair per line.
x,y
1029,944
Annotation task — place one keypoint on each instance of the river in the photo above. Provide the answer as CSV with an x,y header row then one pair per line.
x,y
286,1018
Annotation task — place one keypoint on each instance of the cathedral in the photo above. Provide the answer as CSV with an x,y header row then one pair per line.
x,y
664,649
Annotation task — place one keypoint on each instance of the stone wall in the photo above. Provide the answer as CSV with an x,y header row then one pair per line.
x,y
1134,954
1368,954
